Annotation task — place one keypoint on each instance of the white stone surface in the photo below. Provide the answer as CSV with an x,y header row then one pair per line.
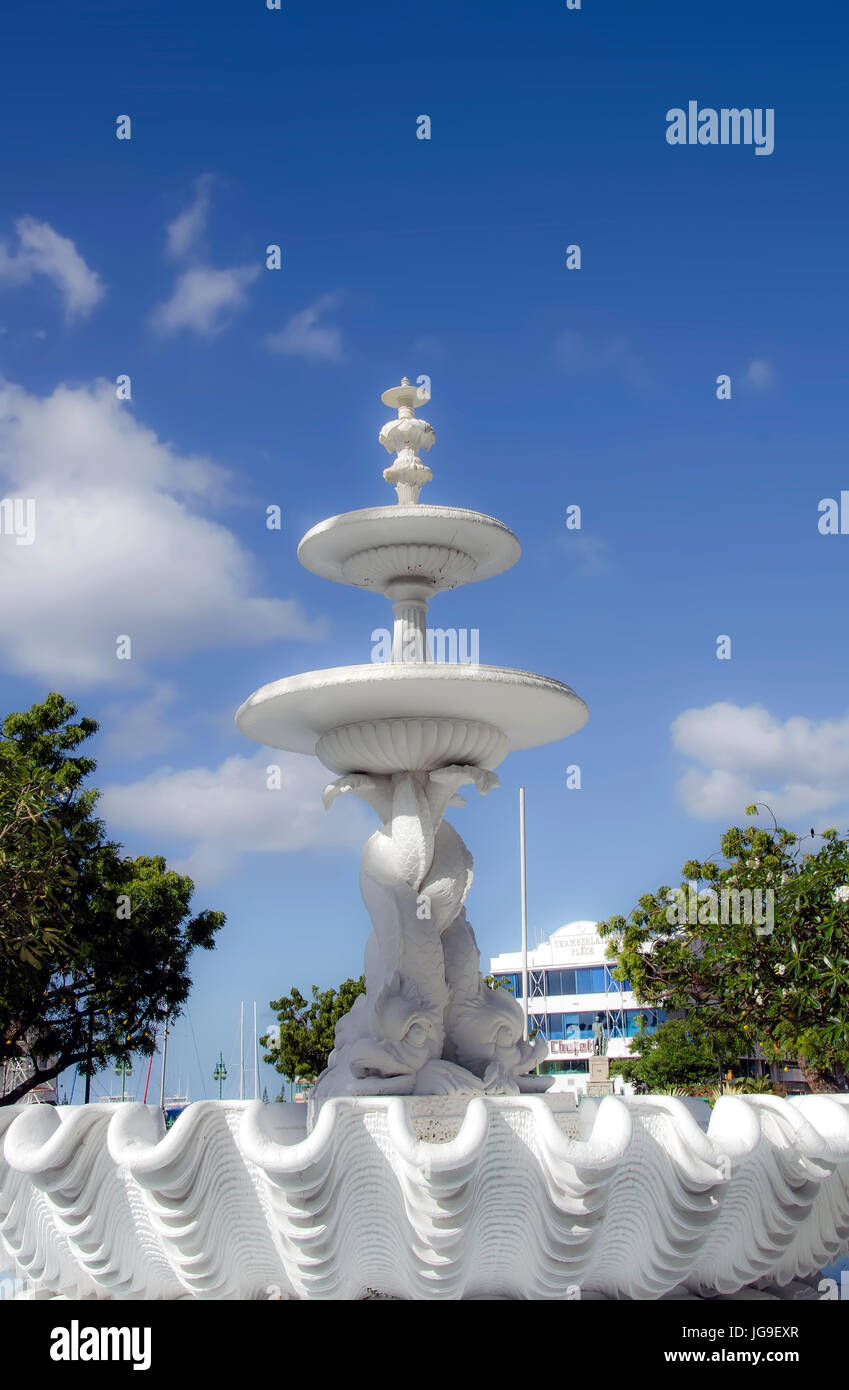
x,y
404,736
239,1200
489,545
295,712
427,1024
411,745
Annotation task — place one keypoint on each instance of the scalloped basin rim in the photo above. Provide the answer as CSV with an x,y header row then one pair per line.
x,y
492,545
293,713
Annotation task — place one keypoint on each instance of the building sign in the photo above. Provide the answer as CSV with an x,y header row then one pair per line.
x,y
582,948
571,1047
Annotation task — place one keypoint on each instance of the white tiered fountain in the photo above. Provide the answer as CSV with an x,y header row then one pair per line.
x,y
405,736
428,1166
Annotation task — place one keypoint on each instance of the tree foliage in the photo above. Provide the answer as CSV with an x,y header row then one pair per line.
x,y
675,1054
498,982
786,988
43,815
307,1027
93,945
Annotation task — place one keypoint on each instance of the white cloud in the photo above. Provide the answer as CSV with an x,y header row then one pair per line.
x,y
590,555
759,374
613,356
42,251
799,767
138,730
185,233
219,814
304,336
120,547
205,300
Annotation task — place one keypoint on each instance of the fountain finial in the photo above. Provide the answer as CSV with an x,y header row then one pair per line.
x,y
404,436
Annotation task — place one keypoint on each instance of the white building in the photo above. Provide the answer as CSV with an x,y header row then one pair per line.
x,y
570,986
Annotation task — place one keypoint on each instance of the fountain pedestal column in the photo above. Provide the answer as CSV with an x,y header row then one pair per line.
x,y
427,1024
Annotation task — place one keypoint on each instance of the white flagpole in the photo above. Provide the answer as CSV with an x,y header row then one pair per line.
x,y
524,891
256,1059
242,1050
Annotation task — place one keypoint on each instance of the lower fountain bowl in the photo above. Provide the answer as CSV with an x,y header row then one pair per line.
x,y
385,718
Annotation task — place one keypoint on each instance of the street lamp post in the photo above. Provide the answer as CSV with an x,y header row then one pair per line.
x,y
123,1069
220,1073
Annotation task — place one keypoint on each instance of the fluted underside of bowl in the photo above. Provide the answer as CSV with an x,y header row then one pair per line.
x,y
370,547
446,706
394,745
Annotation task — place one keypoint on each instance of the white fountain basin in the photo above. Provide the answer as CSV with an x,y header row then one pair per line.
x,y
454,713
486,544
423,1199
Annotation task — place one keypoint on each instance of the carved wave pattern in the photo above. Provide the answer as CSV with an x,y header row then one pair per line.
x,y
239,1201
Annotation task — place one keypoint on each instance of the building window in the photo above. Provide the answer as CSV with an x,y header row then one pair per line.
x,y
514,982
560,982
653,1017
590,980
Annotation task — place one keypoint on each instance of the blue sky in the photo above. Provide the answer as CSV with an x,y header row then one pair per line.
x,y
550,387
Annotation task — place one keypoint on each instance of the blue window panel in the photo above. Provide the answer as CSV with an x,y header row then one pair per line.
x,y
653,1018
570,1026
555,1025
590,980
560,982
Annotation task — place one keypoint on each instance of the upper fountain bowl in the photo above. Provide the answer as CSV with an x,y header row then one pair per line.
x,y
438,547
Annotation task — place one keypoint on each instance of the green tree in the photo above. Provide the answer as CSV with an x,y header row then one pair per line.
x,y
105,946
43,826
673,1055
784,985
307,1027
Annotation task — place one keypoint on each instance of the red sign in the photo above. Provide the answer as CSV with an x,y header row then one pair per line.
x,y
572,1047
